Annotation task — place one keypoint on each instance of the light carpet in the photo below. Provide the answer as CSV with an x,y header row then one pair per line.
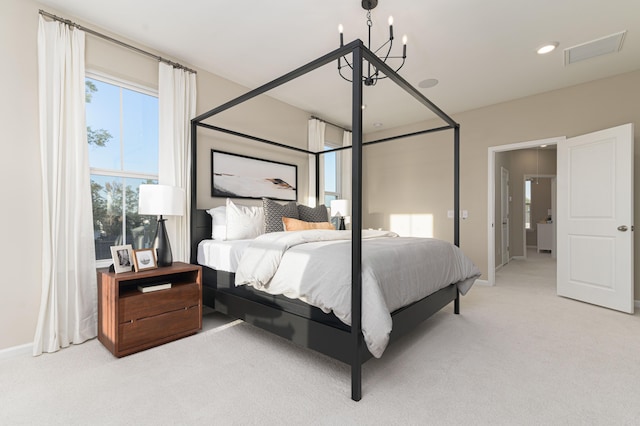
x,y
517,355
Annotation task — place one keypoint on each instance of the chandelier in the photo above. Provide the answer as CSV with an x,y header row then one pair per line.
x,y
373,74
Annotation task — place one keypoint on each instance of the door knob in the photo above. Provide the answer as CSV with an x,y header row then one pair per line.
x,y
622,228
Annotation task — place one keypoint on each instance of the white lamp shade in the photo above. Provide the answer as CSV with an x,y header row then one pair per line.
x,y
340,208
161,200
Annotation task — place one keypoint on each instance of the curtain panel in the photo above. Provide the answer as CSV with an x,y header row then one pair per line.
x,y
177,106
68,306
316,144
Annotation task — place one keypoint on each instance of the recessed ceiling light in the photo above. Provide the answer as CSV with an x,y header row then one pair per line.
x,y
377,124
543,146
547,48
430,82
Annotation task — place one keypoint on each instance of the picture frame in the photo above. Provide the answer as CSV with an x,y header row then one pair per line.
x,y
241,176
122,257
144,259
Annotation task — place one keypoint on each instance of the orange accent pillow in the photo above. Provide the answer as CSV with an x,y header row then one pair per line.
x,y
291,224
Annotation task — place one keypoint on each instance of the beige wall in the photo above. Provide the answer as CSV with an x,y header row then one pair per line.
x,y
567,112
20,165
20,214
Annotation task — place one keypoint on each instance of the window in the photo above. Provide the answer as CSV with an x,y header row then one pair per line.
x,y
331,175
527,204
122,132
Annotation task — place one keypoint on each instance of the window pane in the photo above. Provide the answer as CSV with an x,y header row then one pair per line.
x,y
140,132
103,124
122,128
330,172
328,198
115,214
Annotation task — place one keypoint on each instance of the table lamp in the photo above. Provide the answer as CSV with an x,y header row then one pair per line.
x,y
161,200
340,208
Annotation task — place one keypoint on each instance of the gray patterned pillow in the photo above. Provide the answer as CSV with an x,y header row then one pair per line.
x,y
274,212
313,214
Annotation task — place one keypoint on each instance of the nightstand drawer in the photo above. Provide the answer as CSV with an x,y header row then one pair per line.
x,y
164,326
136,306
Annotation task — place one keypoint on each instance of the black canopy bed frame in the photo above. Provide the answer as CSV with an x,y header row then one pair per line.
x,y
310,327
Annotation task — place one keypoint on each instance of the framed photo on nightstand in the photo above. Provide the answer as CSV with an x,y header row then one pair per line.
x,y
122,258
144,259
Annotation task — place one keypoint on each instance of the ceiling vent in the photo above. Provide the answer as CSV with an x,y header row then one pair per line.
x,y
591,49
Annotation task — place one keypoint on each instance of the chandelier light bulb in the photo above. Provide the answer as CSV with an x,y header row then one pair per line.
x,y
340,29
404,39
390,20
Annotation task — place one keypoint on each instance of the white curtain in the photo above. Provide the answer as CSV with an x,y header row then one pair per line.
x,y
177,106
345,166
316,144
68,306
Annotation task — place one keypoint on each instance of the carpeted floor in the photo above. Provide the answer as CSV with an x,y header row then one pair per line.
x,y
517,355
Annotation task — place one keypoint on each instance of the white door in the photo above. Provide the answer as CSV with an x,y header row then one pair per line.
x,y
504,214
595,218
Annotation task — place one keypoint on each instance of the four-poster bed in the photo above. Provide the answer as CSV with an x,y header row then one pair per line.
x,y
301,323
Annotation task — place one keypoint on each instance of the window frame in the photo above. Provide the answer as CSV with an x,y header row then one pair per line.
x,y
122,173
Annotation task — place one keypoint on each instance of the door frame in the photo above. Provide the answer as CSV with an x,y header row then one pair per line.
x,y
491,195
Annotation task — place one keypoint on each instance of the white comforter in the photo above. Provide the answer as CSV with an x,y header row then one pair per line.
x,y
315,266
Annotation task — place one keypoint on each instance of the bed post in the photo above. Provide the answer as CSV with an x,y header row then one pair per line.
x,y
456,201
317,179
194,155
456,185
356,226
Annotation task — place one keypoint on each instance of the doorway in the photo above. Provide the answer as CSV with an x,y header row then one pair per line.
x,y
496,163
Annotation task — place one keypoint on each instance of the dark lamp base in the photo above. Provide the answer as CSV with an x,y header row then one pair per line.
x,y
162,245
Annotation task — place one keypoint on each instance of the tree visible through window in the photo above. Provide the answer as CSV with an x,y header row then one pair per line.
x,y
122,132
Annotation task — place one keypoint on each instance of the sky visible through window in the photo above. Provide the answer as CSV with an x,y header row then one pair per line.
x,y
134,129
330,172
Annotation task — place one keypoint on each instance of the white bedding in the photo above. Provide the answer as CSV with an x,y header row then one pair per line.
x,y
315,266
222,255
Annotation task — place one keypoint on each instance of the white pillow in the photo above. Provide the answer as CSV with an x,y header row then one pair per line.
x,y
244,222
218,222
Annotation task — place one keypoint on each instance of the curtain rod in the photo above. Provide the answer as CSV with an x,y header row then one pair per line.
x,y
330,123
113,40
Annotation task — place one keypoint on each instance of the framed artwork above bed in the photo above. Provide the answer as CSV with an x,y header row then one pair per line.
x,y
241,176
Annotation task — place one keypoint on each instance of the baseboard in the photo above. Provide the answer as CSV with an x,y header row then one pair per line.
x,y
16,351
482,282
518,258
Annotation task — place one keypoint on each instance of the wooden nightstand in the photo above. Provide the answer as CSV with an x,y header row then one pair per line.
x,y
131,321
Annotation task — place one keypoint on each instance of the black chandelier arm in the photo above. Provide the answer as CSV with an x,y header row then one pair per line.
x,y
340,67
389,42
396,70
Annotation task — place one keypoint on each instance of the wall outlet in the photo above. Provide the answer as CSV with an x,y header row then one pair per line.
x,y
464,214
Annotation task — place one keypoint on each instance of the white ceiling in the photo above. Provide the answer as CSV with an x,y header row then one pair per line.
x,y
482,52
